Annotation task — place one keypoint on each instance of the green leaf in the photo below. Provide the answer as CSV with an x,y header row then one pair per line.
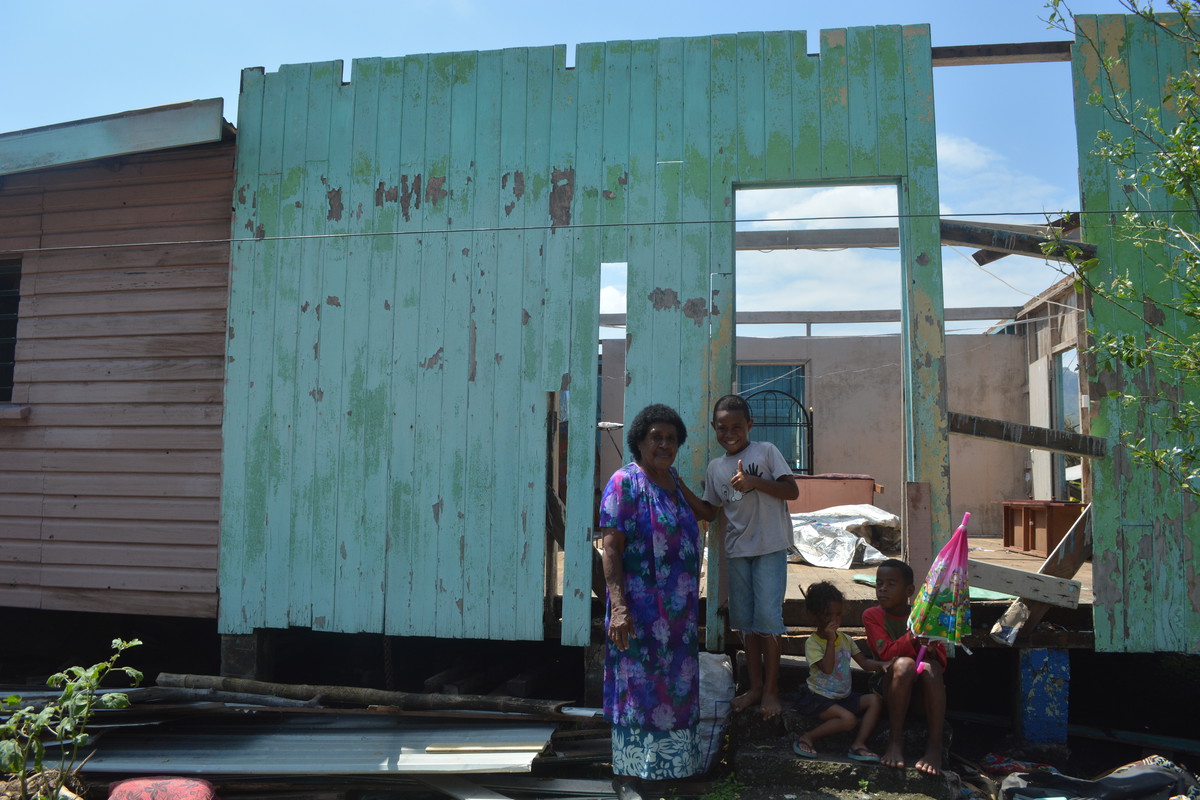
x,y
112,700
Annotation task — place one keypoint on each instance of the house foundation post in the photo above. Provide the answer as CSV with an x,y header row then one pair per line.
x,y
248,655
1043,680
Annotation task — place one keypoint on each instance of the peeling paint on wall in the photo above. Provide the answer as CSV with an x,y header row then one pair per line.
x,y
434,361
518,132
391,194
663,299
562,193
434,191
696,310
1044,677
334,198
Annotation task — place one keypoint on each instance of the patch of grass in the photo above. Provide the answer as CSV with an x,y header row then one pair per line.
x,y
727,788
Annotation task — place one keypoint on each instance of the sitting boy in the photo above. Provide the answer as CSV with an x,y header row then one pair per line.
x,y
889,638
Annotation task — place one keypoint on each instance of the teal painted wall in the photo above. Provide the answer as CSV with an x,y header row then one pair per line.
x,y
417,266
1147,532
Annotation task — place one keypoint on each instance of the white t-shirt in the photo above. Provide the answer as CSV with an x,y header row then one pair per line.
x,y
758,523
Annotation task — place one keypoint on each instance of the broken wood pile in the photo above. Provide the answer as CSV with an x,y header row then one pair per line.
x,y
259,739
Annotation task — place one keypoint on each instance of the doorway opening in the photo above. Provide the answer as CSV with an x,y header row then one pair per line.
x,y
817,292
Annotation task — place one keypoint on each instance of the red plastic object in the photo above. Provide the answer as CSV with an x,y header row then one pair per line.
x,y
162,788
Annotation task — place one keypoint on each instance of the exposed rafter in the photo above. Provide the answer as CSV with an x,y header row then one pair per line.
x,y
1057,441
1014,53
840,317
995,240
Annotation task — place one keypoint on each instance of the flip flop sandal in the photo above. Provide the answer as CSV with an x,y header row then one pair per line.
x,y
799,749
863,755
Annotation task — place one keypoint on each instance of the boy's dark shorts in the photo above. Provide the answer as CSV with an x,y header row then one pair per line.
x,y
811,704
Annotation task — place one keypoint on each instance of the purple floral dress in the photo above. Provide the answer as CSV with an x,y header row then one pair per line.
x,y
653,686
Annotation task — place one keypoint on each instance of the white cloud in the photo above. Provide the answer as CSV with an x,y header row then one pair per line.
x,y
612,300
976,180
973,178
806,280
817,207
958,153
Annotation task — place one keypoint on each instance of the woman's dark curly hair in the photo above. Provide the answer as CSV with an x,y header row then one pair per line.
x,y
820,596
649,416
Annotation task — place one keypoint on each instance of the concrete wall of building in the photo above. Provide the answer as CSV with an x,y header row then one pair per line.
x,y
853,388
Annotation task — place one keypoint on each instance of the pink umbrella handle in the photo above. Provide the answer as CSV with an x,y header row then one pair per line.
x,y
921,660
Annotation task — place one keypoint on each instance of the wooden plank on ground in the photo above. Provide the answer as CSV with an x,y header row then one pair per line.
x,y
1028,435
1046,588
1023,616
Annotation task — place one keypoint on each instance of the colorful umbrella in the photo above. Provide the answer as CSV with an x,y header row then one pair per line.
x,y
942,609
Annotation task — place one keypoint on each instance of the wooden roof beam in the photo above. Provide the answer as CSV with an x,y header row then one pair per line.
x,y
1076,444
996,239
817,239
1068,225
973,234
1013,53
843,317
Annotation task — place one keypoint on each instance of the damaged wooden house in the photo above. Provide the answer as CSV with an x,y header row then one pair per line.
x,y
354,395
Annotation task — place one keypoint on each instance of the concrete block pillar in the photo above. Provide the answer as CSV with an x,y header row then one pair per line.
x,y
1044,677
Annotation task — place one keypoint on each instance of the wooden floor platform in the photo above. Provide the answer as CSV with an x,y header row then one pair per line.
x,y
988,550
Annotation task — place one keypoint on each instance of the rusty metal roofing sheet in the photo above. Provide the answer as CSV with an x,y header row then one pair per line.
x,y
321,745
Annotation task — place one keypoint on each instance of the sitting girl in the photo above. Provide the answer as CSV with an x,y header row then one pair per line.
x,y
827,695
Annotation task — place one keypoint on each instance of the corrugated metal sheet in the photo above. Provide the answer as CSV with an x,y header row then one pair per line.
x,y
1146,532
109,488
161,128
419,267
328,745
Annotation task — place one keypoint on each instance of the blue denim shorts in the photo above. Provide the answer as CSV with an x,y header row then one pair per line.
x,y
756,588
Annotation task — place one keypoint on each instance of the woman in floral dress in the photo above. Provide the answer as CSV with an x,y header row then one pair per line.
x,y
652,568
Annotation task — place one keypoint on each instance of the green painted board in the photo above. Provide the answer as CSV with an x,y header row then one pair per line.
x,y
417,272
1145,535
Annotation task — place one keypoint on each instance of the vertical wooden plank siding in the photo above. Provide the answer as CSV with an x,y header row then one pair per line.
x,y
244,258
496,563
1175,573
466,202
481,479
1145,532
405,562
927,445
109,488
291,371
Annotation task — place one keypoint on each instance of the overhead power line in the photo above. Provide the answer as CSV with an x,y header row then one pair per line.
x,y
553,229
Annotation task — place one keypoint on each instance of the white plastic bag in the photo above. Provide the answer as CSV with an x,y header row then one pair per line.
x,y
716,693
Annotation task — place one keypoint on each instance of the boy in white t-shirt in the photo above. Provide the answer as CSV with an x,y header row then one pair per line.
x,y
752,484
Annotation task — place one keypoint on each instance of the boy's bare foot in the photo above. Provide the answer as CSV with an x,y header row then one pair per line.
x,y
804,748
771,706
930,764
894,757
746,699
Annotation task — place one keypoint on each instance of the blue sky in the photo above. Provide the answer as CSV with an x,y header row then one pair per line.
x,y
1005,133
